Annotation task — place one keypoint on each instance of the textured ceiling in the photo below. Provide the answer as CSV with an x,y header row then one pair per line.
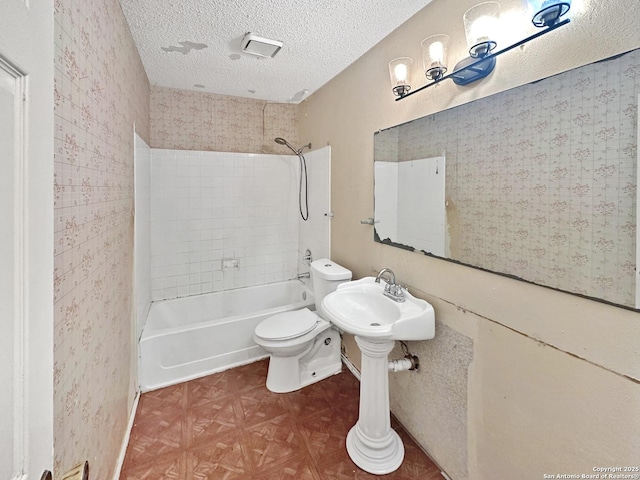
x,y
321,38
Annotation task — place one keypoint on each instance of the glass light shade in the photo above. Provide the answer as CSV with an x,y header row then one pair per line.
x,y
400,72
434,56
481,24
547,12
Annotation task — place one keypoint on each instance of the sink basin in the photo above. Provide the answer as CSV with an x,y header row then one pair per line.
x,y
361,308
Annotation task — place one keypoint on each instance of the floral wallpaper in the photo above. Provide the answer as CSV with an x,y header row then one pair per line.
x,y
190,120
541,180
101,91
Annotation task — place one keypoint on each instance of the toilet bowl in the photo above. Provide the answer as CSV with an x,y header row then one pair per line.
x,y
304,347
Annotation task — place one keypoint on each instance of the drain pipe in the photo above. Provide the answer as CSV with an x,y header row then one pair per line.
x,y
402,364
409,362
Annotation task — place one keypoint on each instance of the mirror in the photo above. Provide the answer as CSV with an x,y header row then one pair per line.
x,y
540,182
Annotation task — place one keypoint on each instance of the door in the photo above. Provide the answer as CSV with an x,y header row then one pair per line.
x,y
26,239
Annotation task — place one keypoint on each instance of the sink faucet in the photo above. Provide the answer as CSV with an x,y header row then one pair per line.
x,y
392,279
392,289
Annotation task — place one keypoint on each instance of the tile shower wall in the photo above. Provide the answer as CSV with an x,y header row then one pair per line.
x,y
188,120
386,199
421,205
101,90
556,158
221,221
410,206
315,233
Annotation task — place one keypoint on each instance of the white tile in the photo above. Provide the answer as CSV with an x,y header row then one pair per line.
x,y
208,205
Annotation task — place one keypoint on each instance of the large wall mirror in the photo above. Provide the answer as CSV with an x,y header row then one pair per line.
x,y
538,182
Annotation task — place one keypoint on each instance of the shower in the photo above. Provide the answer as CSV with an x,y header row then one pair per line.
x,y
303,167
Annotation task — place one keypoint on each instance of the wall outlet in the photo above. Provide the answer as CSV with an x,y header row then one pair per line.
x,y
230,263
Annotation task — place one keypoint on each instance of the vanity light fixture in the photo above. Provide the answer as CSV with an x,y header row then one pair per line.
x,y
481,24
548,12
400,72
434,56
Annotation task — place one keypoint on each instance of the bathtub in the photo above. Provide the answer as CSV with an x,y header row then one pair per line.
x,y
190,337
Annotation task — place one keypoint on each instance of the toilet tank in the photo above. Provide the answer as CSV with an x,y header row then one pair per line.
x,y
326,276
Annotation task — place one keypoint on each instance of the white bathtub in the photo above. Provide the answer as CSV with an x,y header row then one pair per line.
x,y
195,336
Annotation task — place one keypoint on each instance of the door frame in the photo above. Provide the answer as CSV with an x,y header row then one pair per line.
x,y
26,45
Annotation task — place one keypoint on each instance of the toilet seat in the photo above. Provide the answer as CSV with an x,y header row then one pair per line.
x,y
287,325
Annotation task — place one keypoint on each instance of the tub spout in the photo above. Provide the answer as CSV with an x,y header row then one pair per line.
x,y
303,275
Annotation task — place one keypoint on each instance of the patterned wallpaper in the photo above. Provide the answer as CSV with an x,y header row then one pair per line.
x,y
101,89
541,179
189,120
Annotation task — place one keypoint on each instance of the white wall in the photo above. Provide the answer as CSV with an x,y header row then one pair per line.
x,y
207,206
315,233
142,236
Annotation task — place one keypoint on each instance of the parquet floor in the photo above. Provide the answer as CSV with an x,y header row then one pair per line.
x,y
229,426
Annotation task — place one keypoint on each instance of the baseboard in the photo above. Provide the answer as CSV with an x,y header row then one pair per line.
x,y
125,440
350,366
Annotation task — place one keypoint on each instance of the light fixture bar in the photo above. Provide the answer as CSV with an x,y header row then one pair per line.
x,y
476,65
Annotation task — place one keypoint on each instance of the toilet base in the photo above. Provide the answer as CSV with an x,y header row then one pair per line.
x,y
319,361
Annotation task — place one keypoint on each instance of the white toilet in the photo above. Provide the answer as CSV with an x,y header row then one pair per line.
x,y
304,347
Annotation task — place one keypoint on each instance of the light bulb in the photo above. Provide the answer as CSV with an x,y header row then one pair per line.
x,y
483,27
436,52
400,72
480,25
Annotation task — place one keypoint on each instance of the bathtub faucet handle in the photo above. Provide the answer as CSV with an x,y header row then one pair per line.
x,y
304,275
307,257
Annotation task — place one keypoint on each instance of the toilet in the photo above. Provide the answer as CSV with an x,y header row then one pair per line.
x,y
304,347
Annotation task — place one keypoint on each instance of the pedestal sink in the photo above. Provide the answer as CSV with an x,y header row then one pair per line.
x,y
361,308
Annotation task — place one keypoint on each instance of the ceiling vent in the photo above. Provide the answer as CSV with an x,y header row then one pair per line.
x,y
259,46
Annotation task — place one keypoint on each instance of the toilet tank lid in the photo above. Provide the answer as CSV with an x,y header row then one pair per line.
x,y
328,270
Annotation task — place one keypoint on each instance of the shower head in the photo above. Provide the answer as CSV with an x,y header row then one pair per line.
x,y
282,141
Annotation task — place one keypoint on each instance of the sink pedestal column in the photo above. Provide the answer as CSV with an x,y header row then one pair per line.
x,y
372,444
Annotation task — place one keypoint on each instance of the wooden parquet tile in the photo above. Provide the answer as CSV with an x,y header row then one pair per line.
x,y
228,426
